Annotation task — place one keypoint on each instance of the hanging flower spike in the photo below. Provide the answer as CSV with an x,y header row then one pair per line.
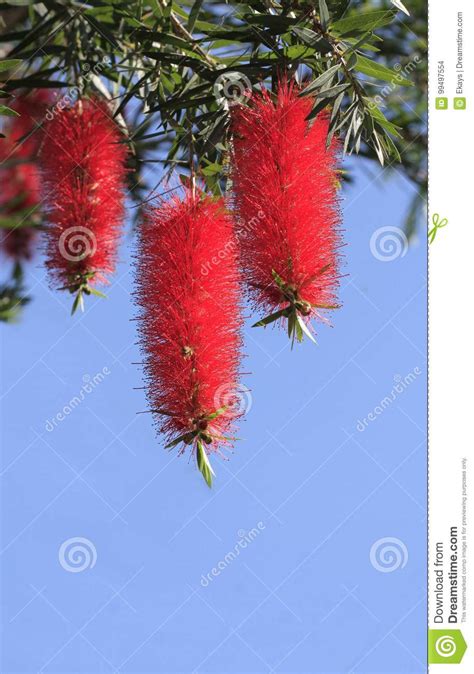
x,y
27,128
19,175
282,171
189,323
83,168
18,202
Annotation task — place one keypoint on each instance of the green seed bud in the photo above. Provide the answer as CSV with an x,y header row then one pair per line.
x,y
304,307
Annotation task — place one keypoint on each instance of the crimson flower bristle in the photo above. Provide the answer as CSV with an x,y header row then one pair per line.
x,y
189,322
83,169
19,174
285,195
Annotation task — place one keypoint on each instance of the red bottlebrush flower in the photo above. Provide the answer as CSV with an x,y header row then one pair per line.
x,y
27,128
18,202
83,168
190,319
284,184
19,174
17,242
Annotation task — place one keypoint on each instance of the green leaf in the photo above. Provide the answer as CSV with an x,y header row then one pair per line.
x,y
298,329
360,42
323,14
193,14
294,52
102,30
45,26
17,274
312,39
319,105
34,82
8,64
216,414
361,22
185,437
278,280
381,72
337,7
391,148
324,269
130,94
167,39
378,147
94,291
378,116
282,313
276,23
4,110
401,6
204,464
333,91
78,303
322,79
291,325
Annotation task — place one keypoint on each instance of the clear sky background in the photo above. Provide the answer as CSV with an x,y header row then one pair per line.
x,y
318,588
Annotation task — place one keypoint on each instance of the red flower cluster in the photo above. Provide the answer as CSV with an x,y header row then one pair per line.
x,y
19,174
188,293
82,162
283,171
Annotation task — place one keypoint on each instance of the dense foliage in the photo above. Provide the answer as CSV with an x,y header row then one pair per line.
x,y
173,70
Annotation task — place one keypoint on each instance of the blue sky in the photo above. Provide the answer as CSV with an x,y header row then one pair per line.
x,y
315,530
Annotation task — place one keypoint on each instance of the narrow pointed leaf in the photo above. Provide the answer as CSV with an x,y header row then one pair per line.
x,y
305,329
271,318
323,14
94,291
189,435
8,64
217,413
322,79
203,464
